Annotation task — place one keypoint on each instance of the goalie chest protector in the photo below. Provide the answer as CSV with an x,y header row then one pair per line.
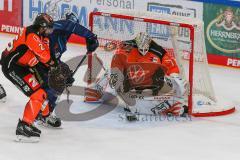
x,y
139,69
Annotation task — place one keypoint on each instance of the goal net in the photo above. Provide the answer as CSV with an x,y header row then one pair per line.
x,y
182,37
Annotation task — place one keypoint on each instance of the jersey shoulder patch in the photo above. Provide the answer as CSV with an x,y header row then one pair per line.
x,y
157,49
128,45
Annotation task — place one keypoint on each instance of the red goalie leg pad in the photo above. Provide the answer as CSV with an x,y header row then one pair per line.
x,y
34,105
92,95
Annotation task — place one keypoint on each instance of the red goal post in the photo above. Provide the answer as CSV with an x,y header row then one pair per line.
x,y
110,27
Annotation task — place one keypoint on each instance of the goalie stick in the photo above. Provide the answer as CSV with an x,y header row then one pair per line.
x,y
101,63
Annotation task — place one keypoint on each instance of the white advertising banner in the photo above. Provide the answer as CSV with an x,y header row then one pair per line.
x,y
82,8
174,7
57,8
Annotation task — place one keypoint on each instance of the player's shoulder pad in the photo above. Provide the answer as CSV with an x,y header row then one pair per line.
x,y
60,24
131,43
32,36
157,49
31,29
66,25
128,45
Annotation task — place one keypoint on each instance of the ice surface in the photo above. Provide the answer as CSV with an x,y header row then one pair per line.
x,y
111,138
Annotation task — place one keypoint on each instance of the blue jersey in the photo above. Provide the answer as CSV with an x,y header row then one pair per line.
x,y
62,30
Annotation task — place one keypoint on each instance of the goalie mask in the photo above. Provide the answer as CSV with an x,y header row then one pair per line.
x,y
143,41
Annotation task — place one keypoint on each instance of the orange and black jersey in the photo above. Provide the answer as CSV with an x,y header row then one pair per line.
x,y
141,69
156,55
28,48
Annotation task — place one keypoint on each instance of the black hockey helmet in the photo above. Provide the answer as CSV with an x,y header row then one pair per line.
x,y
43,20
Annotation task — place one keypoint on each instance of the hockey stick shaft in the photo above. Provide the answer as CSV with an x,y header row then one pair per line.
x,y
100,61
80,63
76,69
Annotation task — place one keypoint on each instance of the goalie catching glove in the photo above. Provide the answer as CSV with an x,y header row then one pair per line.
x,y
60,77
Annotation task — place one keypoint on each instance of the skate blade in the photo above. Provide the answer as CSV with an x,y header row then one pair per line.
x,y
3,100
94,101
23,139
41,124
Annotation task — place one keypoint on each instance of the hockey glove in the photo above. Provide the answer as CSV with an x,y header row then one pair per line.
x,y
92,43
60,77
69,81
179,84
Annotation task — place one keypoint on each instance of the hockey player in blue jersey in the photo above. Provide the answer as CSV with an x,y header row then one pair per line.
x,y
62,30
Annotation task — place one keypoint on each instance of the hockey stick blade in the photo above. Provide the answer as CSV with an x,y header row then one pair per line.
x,y
23,139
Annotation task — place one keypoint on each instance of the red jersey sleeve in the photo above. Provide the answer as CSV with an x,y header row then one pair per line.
x,y
38,47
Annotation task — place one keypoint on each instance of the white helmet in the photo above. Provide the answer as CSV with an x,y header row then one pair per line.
x,y
143,41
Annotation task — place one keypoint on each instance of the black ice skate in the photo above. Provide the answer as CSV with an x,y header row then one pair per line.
x,y
131,117
49,121
27,133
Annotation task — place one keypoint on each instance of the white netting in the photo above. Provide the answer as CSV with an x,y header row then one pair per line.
x,y
112,27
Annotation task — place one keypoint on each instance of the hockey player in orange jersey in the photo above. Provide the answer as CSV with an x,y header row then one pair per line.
x,y
18,62
141,64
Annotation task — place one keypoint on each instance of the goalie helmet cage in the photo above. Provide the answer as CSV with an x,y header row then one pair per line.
x,y
182,37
